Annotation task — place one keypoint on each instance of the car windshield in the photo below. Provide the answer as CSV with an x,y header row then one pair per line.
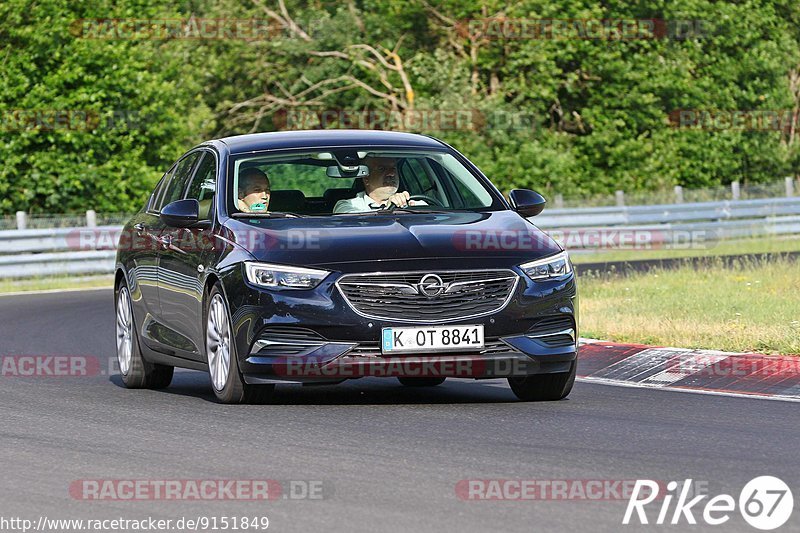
x,y
354,180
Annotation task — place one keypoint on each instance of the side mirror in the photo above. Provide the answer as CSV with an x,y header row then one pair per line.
x,y
526,202
181,213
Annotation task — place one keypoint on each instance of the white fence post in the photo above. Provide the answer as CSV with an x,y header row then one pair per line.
x,y
22,220
735,192
789,181
620,198
678,194
91,219
559,201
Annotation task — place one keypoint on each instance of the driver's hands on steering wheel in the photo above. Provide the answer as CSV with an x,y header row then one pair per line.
x,y
400,199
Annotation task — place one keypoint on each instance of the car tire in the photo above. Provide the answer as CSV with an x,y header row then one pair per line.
x,y
544,387
221,356
136,372
421,382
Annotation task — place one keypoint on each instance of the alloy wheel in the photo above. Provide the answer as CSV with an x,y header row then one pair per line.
x,y
124,330
218,342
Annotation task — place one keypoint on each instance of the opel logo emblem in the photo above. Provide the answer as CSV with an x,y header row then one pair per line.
x,y
431,286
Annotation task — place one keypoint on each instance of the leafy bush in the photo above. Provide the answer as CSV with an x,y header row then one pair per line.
x,y
570,116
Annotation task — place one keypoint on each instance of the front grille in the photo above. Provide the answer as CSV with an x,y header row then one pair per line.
x,y
419,297
555,331
491,346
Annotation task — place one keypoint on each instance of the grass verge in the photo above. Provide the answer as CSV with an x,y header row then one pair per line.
x,y
744,308
55,283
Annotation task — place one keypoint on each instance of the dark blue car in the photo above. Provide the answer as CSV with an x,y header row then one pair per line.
x,y
320,256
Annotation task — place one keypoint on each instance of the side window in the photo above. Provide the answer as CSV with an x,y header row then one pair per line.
x,y
204,184
464,189
177,184
152,203
416,178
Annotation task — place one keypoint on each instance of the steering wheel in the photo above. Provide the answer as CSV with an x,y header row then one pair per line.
x,y
429,199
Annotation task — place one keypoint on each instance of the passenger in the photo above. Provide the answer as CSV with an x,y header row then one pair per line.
x,y
380,189
254,191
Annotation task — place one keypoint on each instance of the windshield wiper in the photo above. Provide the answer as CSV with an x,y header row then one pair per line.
x,y
388,210
268,214
423,211
392,208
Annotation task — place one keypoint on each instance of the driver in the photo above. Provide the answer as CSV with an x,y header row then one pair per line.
x,y
380,189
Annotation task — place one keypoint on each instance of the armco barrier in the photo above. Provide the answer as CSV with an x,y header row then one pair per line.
x,y
47,240
52,264
668,213
44,252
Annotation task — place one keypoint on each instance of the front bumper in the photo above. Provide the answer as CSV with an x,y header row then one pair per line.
x,y
315,336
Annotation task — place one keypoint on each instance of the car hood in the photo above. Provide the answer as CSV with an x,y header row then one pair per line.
x,y
500,238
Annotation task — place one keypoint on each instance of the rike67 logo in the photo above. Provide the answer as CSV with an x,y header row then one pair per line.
x,y
765,503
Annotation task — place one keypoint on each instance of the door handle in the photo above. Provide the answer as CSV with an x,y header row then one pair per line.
x,y
139,227
167,242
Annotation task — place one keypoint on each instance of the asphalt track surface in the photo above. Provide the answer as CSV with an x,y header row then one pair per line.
x,y
389,457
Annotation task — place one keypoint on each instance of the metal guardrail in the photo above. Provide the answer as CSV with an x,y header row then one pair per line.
x,y
666,224
30,253
666,213
57,264
90,250
58,239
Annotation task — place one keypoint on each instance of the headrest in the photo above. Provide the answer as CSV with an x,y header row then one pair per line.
x,y
288,200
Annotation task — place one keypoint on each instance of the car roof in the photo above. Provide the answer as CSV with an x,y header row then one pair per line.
x,y
281,140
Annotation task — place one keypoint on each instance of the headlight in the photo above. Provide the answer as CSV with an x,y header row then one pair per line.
x,y
554,266
289,277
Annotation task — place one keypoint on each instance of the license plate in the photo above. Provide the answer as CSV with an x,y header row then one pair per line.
x,y
432,339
